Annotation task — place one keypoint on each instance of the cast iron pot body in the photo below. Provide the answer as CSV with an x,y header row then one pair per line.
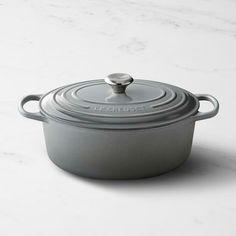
x,y
102,146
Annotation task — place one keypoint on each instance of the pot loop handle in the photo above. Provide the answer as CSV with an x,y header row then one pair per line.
x,y
31,115
205,115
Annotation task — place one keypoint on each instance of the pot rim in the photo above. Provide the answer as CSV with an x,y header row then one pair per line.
x,y
41,117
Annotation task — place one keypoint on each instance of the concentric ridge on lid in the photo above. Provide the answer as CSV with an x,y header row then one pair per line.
x,y
96,102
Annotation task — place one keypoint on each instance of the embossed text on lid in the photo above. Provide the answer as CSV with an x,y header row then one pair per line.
x,y
102,101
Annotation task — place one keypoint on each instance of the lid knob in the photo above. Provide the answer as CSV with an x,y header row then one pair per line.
x,y
119,81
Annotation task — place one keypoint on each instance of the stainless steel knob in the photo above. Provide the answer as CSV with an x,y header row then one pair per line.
x,y
119,81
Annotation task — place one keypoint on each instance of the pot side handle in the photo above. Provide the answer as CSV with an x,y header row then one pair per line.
x,y
31,115
205,115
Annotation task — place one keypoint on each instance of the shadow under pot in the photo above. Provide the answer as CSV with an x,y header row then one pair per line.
x,y
119,128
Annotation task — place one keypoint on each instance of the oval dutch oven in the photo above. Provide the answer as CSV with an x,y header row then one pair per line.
x,y
119,128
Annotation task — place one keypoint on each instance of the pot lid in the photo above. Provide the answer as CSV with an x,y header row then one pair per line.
x,y
119,101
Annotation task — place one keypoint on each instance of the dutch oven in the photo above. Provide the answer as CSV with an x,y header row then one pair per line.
x,y
118,128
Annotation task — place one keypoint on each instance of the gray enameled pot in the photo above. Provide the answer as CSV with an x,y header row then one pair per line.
x,y
108,130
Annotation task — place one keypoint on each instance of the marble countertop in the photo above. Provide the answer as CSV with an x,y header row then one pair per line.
x,y
46,44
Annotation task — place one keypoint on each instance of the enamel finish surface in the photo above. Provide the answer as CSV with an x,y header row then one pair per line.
x,y
95,102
